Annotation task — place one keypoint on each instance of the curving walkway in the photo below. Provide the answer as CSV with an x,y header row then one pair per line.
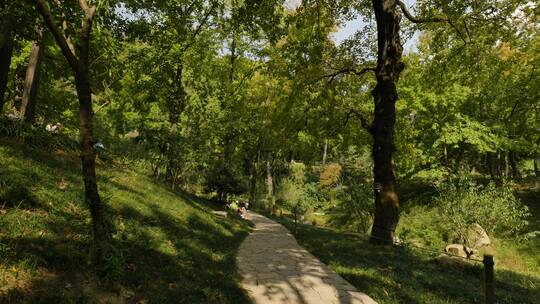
x,y
275,269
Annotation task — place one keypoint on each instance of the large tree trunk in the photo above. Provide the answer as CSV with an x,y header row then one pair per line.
x,y
6,51
389,66
31,82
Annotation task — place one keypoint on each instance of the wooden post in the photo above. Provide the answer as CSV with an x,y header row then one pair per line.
x,y
488,279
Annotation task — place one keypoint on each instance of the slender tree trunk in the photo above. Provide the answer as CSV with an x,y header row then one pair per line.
x,y
79,65
253,180
177,102
537,168
445,154
389,67
499,165
325,150
459,159
514,172
176,107
31,82
232,59
270,182
489,163
6,51
88,158
506,164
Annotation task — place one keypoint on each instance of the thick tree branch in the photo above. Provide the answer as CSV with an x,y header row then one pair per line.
x,y
88,10
89,13
348,71
364,122
65,26
57,33
414,19
460,34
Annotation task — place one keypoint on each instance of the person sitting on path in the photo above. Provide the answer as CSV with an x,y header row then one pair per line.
x,y
242,210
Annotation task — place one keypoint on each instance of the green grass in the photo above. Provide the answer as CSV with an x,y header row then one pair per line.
x,y
168,246
408,275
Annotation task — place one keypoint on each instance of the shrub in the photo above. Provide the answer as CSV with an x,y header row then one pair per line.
x,y
354,208
496,209
297,195
330,176
421,226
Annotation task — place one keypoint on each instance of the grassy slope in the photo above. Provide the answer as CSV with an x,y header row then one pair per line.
x,y
404,275
168,246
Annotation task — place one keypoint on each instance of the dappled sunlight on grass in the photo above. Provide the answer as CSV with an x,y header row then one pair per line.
x,y
167,246
408,275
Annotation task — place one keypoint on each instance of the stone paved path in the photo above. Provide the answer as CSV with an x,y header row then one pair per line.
x,y
276,269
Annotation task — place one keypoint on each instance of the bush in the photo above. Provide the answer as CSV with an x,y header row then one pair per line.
x,y
421,226
330,176
496,209
354,208
297,198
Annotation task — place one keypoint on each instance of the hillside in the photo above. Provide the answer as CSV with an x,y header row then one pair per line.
x,y
168,246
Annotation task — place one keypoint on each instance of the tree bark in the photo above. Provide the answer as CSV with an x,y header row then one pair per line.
x,y
389,67
489,164
514,170
88,158
80,67
537,168
500,160
506,164
176,104
6,52
325,150
253,180
31,82
270,182
88,155
177,101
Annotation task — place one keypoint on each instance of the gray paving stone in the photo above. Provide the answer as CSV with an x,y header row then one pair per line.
x,y
275,269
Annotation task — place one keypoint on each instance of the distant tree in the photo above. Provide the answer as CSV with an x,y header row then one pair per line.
x,y
31,81
15,22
